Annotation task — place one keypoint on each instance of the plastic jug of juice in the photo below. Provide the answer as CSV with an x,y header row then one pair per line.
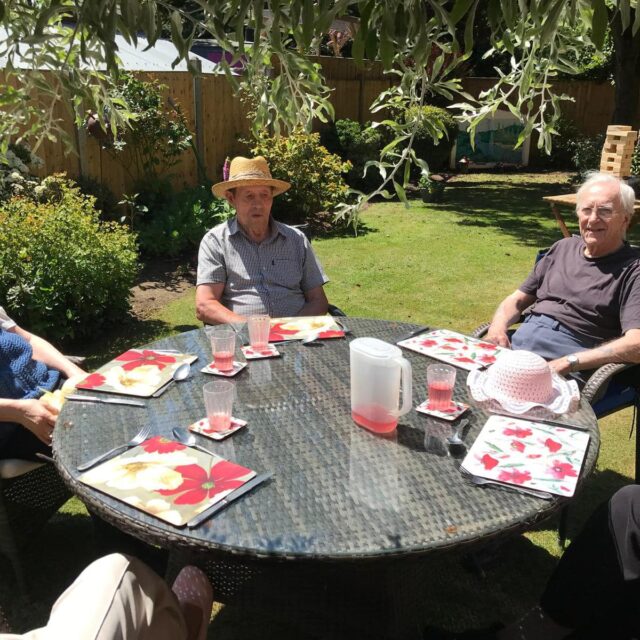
x,y
378,374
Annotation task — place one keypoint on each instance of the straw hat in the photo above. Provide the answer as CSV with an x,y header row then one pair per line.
x,y
249,172
520,381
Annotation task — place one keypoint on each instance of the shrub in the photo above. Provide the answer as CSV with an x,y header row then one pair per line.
x,y
106,201
587,151
435,135
63,273
15,174
357,144
314,173
180,224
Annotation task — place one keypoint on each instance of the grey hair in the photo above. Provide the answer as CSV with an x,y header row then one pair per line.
x,y
627,194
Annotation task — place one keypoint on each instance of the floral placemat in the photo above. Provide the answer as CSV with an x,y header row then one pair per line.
x,y
167,479
528,454
202,427
270,351
454,348
137,372
214,371
303,327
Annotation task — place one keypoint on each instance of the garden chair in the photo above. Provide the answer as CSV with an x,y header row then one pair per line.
x,y
30,493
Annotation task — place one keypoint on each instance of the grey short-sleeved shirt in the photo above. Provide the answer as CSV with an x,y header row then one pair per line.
x,y
270,277
5,321
596,297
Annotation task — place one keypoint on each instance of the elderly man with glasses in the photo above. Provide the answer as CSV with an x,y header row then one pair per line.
x,y
585,291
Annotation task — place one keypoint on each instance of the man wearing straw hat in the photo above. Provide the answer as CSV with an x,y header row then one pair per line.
x,y
585,290
252,264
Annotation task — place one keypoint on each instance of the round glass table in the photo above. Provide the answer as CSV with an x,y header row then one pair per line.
x,y
340,495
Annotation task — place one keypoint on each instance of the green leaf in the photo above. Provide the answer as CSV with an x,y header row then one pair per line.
x,y
459,9
308,21
400,191
599,23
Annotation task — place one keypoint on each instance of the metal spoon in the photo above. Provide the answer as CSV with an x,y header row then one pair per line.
x,y
188,438
181,373
455,439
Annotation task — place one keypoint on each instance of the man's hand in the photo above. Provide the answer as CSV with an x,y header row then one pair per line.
x,y
560,366
497,336
38,418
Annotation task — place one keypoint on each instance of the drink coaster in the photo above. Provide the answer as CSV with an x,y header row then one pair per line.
x,y
202,427
455,410
237,368
270,351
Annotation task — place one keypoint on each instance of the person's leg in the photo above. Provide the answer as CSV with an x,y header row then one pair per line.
x,y
596,587
115,598
18,442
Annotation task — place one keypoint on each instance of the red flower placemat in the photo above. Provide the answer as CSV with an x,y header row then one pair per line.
x,y
137,372
298,328
167,479
528,454
454,348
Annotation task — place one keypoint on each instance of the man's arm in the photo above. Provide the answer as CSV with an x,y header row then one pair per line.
x,y
316,302
209,309
508,312
45,352
624,349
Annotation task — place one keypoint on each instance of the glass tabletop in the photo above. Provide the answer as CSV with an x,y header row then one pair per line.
x,y
338,491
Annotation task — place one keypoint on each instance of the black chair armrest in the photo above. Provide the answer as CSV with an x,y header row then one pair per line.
x,y
597,384
481,331
336,311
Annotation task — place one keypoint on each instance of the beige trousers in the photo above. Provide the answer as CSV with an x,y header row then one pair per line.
x,y
114,598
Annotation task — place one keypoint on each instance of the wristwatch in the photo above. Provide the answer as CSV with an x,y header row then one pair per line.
x,y
573,362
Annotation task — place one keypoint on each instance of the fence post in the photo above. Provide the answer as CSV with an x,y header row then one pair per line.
x,y
197,107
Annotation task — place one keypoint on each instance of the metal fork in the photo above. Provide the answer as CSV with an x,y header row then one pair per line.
x,y
139,438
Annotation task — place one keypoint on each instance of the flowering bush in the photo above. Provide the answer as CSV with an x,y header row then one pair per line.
x,y
63,273
314,173
15,176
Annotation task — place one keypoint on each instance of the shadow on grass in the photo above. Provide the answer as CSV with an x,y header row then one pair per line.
x,y
52,561
516,209
132,332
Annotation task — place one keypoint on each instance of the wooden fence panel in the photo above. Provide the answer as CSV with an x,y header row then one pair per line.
x,y
225,124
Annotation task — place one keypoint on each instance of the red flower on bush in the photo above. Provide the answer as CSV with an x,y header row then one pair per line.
x,y
92,381
559,470
488,462
552,445
199,484
517,445
135,359
429,343
517,432
515,476
160,444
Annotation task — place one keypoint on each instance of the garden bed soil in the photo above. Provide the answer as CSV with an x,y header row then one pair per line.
x,y
160,282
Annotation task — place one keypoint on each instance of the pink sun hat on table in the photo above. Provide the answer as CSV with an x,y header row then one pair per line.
x,y
520,381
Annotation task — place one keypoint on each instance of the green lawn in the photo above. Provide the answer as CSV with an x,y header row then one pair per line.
x,y
445,265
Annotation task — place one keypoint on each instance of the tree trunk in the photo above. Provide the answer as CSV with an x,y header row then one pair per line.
x,y
626,75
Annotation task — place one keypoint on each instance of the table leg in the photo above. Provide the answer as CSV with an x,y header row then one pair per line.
x,y
560,220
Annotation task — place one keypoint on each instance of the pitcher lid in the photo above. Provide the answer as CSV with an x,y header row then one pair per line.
x,y
375,348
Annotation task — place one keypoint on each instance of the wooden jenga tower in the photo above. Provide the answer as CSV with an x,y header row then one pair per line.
x,y
617,150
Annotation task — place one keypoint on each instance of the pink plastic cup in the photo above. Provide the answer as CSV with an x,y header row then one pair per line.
x,y
259,327
218,400
441,379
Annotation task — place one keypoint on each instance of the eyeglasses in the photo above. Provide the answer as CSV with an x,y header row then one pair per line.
x,y
605,213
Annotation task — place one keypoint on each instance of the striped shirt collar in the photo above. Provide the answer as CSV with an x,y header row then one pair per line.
x,y
275,228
